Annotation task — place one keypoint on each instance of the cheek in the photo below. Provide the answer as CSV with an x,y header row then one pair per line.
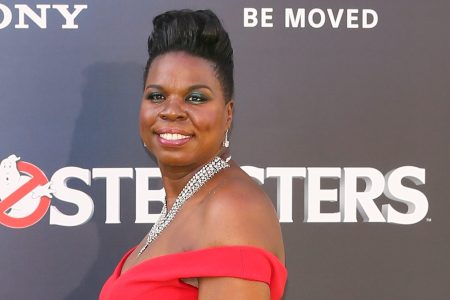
x,y
146,115
210,122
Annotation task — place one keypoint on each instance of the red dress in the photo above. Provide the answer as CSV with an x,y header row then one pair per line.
x,y
160,277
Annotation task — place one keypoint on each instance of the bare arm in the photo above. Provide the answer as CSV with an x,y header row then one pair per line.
x,y
240,214
226,288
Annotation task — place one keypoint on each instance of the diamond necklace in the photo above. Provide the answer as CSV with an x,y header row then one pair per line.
x,y
194,184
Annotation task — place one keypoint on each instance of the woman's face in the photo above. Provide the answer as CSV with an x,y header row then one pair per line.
x,y
183,117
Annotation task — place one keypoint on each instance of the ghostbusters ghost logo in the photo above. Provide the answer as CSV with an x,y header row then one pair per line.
x,y
25,193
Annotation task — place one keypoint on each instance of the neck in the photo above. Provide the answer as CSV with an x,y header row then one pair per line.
x,y
175,178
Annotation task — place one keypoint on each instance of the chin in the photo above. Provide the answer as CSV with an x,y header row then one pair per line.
x,y
174,159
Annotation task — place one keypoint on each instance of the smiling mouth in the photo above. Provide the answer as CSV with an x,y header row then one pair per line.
x,y
173,136
176,140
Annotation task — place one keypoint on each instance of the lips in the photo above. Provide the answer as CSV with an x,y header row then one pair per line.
x,y
173,136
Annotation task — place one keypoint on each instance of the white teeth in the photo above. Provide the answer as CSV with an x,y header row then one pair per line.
x,y
173,136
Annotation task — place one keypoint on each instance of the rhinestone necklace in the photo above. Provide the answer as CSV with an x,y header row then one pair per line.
x,y
194,184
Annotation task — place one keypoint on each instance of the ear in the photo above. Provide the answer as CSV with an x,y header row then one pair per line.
x,y
229,112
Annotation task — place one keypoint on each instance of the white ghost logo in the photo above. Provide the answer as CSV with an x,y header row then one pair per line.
x,y
11,180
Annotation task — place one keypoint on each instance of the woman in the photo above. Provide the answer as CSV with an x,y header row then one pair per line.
x,y
218,236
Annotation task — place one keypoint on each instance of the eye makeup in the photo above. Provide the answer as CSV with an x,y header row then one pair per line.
x,y
155,97
196,98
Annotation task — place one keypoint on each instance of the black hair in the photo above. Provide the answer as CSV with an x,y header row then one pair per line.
x,y
199,33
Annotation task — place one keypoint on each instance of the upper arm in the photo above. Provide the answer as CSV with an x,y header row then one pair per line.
x,y
225,288
238,214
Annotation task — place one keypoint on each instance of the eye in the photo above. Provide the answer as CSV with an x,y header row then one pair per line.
x,y
156,97
196,98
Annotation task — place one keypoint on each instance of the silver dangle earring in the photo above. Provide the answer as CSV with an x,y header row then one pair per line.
x,y
226,142
145,146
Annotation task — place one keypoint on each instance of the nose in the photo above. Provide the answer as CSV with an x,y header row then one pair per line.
x,y
173,109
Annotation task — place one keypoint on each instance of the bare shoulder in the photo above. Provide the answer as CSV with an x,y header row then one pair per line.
x,y
238,212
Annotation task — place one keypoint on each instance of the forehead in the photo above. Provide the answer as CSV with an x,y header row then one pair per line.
x,y
176,69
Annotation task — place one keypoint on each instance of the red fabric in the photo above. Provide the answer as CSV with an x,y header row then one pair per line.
x,y
159,277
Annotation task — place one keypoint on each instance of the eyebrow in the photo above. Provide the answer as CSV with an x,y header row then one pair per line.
x,y
191,88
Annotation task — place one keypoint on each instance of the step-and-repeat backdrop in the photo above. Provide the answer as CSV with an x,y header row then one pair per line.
x,y
342,115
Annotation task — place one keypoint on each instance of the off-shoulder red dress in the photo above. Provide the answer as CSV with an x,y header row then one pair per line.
x,y
160,277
